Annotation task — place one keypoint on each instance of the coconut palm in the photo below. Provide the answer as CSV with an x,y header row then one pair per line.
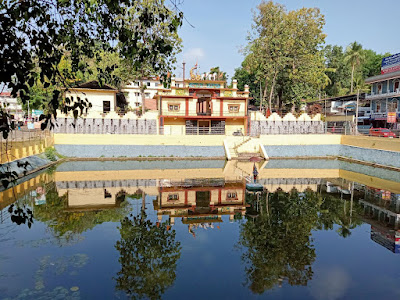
x,y
354,55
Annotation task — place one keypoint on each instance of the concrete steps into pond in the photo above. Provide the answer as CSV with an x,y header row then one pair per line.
x,y
243,148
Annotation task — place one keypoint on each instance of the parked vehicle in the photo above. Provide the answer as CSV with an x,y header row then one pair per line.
x,y
382,132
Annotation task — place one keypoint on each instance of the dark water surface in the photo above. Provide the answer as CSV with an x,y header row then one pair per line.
x,y
173,230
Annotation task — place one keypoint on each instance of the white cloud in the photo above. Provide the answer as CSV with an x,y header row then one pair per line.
x,y
194,54
330,283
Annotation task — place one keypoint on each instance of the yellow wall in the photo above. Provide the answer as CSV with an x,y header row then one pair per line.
x,y
232,125
180,101
369,142
174,126
242,107
18,150
95,97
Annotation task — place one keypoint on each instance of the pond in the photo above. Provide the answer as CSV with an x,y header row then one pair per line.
x,y
321,229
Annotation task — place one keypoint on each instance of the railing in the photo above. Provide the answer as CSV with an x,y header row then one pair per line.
x,y
382,95
194,113
192,130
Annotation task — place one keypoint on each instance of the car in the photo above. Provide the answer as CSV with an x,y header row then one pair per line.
x,y
382,132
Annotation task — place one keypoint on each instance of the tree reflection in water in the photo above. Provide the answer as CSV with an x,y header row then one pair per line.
x,y
148,257
277,235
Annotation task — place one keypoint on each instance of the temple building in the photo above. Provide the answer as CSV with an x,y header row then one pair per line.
x,y
203,105
200,201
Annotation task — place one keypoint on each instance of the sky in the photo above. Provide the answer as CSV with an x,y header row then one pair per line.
x,y
221,27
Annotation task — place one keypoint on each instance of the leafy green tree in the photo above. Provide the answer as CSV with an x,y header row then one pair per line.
x,y
37,34
244,77
283,52
148,257
354,56
372,63
339,80
278,241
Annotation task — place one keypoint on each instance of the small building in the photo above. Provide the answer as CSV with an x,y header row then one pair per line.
x,y
11,105
200,106
102,98
133,92
385,93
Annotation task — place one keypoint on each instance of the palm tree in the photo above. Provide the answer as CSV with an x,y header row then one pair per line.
x,y
354,55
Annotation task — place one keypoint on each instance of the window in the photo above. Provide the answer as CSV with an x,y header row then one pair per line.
x,y
177,84
379,88
147,95
173,107
148,83
156,84
137,94
233,108
173,197
231,196
378,106
137,104
396,86
106,106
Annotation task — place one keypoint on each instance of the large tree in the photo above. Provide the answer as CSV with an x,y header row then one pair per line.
x,y
283,51
36,34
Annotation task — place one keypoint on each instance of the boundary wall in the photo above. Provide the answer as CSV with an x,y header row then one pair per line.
x,y
14,150
375,150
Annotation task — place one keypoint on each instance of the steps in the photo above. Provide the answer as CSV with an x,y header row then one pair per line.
x,y
242,148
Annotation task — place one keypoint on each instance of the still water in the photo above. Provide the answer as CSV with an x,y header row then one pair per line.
x,y
188,229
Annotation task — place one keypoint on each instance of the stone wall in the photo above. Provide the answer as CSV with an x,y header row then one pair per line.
x,y
286,127
105,126
95,151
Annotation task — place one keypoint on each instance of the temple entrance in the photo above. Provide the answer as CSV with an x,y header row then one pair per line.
x,y
203,199
204,107
204,127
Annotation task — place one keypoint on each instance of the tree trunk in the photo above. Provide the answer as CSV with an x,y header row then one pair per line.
x,y
272,90
352,78
265,93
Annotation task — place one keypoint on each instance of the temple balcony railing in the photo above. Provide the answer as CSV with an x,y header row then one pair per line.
x,y
194,113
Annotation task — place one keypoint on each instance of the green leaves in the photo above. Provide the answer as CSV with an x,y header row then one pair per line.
x,y
37,38
283,50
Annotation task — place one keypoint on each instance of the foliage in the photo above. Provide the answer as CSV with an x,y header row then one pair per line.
x,y
148,257
277,239
283,52
354,56
243,76
51,153
38,34
64,223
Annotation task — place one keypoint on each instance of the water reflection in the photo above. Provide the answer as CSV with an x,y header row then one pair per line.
x,y
200,203
274,229
148,254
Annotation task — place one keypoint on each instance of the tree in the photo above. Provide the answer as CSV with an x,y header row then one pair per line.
x,y
334,59
148,257
283,51
354,56
278,241
244,77
37,34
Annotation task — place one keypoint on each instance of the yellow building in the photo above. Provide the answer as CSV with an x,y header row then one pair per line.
x,y
202,106
103,98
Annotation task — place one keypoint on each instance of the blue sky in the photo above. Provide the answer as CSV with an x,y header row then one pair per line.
x,y
221,28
